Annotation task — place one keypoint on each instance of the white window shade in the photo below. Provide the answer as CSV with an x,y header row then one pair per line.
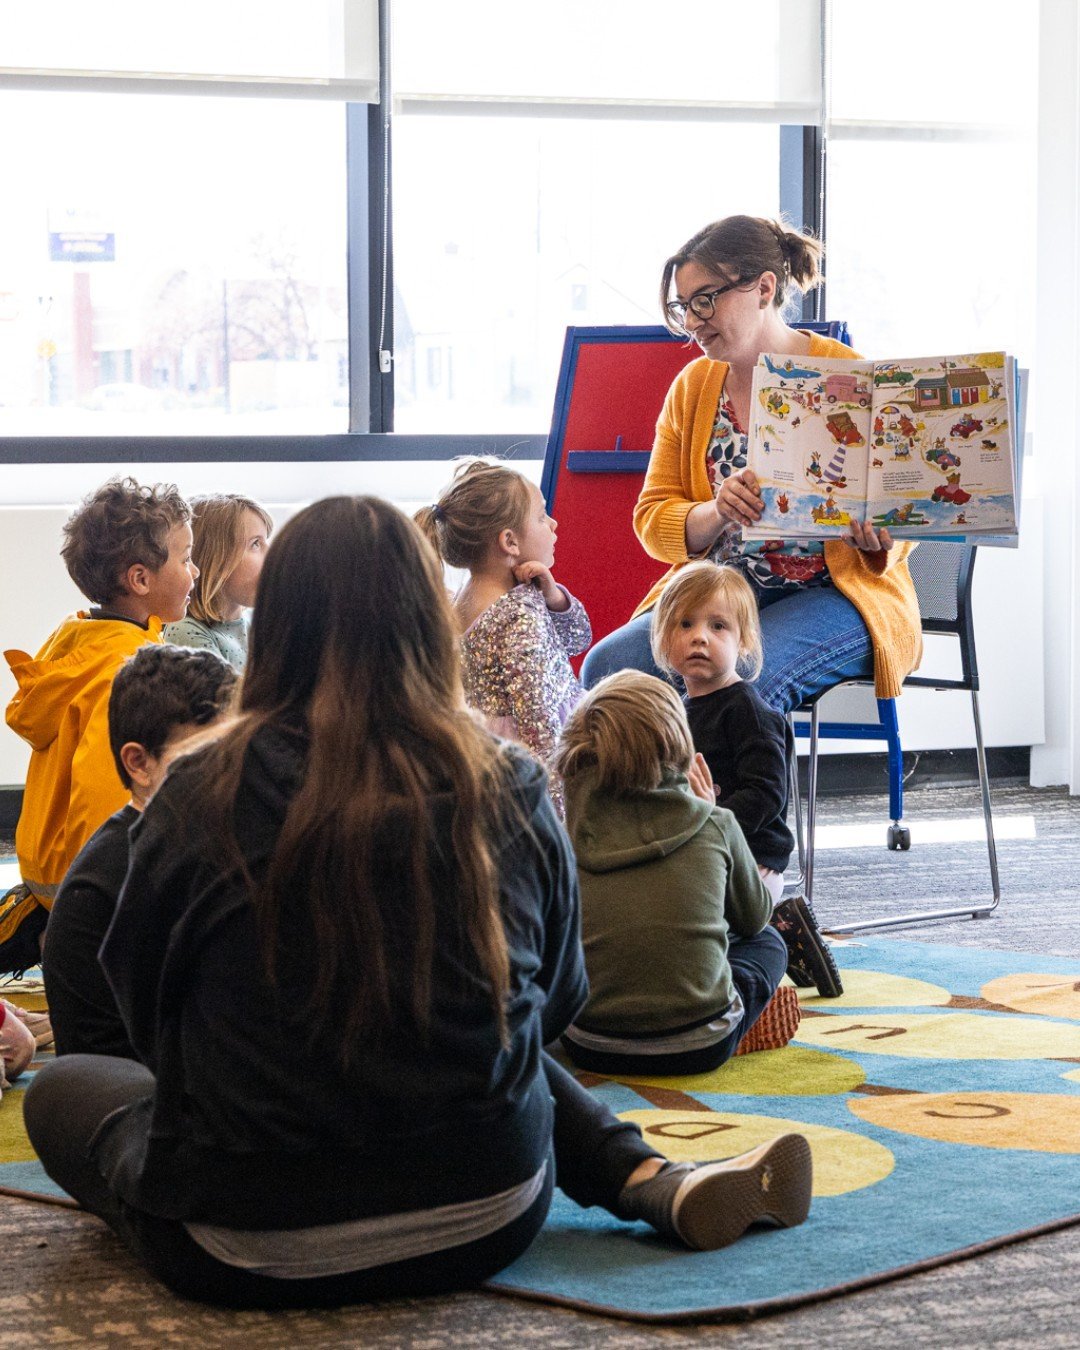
x,y
949,66
751,62
273,48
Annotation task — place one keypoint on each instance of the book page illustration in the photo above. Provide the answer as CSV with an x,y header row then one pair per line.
x,y
941,446
809,428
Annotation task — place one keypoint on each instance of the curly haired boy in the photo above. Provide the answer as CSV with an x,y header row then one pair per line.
x,y
128,549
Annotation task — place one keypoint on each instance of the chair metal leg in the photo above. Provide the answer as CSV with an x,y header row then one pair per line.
x,y
898,835
796,801
887,716
988,816
965,911
811,807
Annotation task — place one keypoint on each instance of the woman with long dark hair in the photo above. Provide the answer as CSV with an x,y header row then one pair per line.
x,y
358,879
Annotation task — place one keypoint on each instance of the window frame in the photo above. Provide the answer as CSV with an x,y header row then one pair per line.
x,y
361,26
369,275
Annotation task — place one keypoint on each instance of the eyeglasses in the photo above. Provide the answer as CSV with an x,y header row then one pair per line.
x,y
703,304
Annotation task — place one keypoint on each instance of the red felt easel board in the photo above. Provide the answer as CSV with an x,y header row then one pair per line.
x,y
611,386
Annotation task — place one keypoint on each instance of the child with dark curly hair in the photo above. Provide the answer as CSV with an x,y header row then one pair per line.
x,y
128,549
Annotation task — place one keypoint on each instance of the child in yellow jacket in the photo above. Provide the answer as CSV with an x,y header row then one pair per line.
x,y
128,549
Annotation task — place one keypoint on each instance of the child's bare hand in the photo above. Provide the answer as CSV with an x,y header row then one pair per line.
x,y
701,780
541,578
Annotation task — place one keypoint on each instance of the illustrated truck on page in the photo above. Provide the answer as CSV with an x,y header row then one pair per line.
x,y
847,389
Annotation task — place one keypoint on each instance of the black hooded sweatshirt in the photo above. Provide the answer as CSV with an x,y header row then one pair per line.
x,y
246,1127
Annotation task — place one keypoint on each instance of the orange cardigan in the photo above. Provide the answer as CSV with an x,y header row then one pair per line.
x,y
877,584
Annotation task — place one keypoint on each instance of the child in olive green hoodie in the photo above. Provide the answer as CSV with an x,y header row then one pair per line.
x,y
674,914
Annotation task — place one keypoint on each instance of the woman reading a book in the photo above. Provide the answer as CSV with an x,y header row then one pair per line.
x,y
831,610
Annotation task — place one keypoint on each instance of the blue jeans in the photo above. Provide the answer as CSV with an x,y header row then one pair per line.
x,y
812,640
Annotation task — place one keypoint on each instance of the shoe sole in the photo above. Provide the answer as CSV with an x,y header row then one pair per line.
x,y
717,1203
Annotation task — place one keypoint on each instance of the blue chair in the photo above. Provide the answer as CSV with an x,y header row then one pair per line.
x,y
941,571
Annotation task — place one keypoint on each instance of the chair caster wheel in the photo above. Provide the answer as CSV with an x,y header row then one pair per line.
x,y
899,838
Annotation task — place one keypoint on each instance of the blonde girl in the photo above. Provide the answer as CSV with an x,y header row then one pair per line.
x,y
519,627
705,628
231,535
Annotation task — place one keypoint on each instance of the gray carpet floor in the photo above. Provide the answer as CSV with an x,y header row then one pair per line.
x,y
70,1283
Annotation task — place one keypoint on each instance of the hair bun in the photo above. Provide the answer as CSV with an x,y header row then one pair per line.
x,y
802,254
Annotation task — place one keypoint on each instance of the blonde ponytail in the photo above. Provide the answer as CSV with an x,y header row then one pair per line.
x,y
427,521
483,498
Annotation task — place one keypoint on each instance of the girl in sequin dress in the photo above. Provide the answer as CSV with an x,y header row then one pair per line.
x,y
519,627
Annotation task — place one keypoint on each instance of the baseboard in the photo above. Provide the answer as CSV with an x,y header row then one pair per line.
x,y
841,774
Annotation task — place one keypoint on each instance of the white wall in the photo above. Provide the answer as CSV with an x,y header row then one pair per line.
x,y
1055,386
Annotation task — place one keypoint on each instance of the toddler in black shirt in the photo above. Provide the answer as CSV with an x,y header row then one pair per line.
x,y
705,628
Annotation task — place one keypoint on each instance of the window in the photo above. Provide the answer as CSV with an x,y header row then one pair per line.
x,y
759,61
172,264
507,230
178,263
320,48
931,187
545,171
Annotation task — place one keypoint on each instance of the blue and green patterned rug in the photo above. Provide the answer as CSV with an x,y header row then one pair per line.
x,y
941,1099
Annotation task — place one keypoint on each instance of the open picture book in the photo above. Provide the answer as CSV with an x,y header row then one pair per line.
x,y
923,448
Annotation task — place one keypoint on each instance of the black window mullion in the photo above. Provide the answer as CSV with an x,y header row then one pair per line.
x,y
802,194
370,252
358,264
